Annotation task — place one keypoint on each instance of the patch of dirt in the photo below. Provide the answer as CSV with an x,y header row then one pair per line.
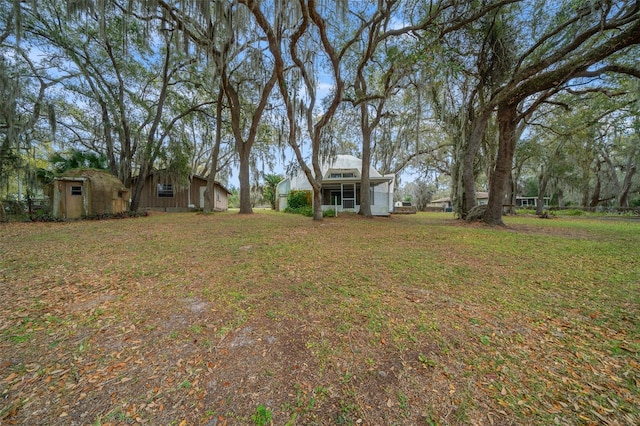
x,y
87,305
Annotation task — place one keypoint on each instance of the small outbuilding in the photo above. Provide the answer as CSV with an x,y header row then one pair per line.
x,y
160,193
85,192
445,204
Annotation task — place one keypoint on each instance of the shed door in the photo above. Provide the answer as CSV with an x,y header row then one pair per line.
x,y
202,190
74,199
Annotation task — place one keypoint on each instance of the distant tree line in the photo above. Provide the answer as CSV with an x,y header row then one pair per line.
x,y
488,94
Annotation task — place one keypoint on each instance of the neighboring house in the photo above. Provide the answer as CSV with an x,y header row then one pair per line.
x,y
531,202
482,198
160,193
443,203
78,193
341,187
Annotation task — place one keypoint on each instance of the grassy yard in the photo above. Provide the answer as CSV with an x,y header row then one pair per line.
x,y
192,319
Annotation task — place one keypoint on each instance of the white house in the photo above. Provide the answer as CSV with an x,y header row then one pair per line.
x,y
531,202
341,187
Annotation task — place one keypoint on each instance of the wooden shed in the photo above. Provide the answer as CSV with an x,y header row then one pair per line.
x,y
160,193
85,192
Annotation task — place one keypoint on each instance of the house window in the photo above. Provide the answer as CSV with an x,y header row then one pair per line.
x,y
342,175
165,190
76,190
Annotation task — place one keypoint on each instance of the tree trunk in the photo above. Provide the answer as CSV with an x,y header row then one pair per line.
x,y
507,121
209,193
515,178
478,128
108,139
560,198
365,184
543,181
623,198
457,187
317,203
626,186
510,196
209,196
460,136
585,196
595,198
135,195
542,188
244,178
137,188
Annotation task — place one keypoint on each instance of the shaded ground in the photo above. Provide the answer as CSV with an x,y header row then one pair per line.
x,y
216,319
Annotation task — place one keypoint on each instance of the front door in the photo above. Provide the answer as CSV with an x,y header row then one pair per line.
x,y
349,196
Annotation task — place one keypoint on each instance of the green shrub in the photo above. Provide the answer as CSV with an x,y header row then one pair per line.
x,y
304,210
525,211
329,213
119,215
297,199
262,417
299,202
573,212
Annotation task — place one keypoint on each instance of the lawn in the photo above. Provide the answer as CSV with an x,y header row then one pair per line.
x,y
194,319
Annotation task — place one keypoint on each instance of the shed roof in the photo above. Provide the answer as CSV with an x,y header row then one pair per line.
x,y
154,171
100,179
215,182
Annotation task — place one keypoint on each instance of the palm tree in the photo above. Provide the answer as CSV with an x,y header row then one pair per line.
x,y
271,182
